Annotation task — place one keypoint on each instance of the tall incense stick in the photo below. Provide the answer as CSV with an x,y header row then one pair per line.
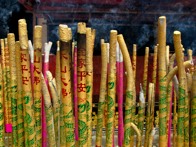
x,y
81,87
37,39
111,98
31,53
29,119
65,36
20,119
1,110
13,86
130,92
102,94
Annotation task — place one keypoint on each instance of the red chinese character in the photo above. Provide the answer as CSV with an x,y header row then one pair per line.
x,y
64,70
81,87
64,92
36,80
25,80
64,83
24,68
36,60
23,57
36,69
81,74
81,63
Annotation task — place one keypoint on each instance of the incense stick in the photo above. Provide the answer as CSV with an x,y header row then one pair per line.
x,y
2,132
31,53
26,84
111,90
20,108
65,36
130,92
13,87
37,65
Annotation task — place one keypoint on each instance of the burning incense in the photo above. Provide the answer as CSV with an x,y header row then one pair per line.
x,y
37,39
130,92
102,94
111,90
20,120
13,86
29,121
65,56
162,82
120,74
89,83
139,136
2,132
134,61
56,106
49,114
193,110
81,87
45,68
31,53
181,126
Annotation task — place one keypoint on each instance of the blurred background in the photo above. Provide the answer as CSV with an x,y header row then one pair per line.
x,y
135,19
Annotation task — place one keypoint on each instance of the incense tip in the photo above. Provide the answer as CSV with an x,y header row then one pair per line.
x,y
82,27
177,33
21,21
114,31
64,33
162,17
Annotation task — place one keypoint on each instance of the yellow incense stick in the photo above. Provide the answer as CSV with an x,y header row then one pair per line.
x,y
111,97
130,92
13,86
20,120
58,70
29,120
65,53
2,131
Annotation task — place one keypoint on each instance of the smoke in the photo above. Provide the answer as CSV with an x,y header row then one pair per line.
x,y
7,7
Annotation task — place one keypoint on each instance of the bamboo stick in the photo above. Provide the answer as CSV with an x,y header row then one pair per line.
x,y
2,131
89,84
49,114
162,82
81,74
193,112
29,119
102,93
65,53
13,87
20,120
37,39
130,92
181,130
111,89
56,106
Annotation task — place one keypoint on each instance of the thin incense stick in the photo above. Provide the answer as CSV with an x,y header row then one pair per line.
x,y
102,93
120,98
49,114
1,110
193,110
29,119
174,121
45,68
151,137
20,120
162,82
89,82
181,139
130,92
111,90
13,87
37,65
65,36
139,136
56,106
134,61
31,53
81,87
75,94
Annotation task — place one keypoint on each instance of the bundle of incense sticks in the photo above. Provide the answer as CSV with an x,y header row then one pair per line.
x,y
13,86
37,69
65,35
29,121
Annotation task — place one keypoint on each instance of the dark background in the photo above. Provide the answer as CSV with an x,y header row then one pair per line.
x,y
135,19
